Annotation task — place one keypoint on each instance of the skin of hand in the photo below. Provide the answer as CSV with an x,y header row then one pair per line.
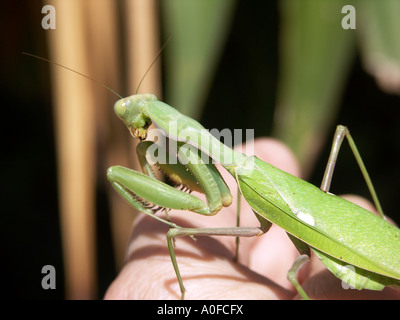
x,y
207,266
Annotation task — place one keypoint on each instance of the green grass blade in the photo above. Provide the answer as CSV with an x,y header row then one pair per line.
x,y
315,56
199,29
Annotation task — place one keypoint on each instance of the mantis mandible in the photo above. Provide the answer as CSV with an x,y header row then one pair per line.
x,y
357,246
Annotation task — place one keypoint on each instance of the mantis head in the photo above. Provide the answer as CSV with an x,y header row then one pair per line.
x,y
132,111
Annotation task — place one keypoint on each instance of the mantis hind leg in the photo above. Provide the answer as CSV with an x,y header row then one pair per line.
x,y
304,258
341,132
238,204
293,272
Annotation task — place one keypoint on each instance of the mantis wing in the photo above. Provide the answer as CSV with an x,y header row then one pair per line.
x,y
335,227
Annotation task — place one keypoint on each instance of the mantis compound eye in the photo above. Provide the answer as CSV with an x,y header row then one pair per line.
x,y
120,108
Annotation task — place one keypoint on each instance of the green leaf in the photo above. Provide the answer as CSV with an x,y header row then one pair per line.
x,y
199,29
315,56
378,28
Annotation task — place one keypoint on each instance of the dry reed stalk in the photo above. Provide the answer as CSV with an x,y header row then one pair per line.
x,y
74,110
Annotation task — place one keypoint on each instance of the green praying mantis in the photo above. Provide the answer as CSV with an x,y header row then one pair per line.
x,y
357,246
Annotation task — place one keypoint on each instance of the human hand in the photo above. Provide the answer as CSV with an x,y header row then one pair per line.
x,y
206,265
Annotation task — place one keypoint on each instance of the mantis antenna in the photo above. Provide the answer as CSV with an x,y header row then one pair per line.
x,y
81,74
154,61
99,83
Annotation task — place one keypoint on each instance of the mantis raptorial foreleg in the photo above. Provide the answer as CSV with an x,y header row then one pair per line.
x,y
141,189
195,175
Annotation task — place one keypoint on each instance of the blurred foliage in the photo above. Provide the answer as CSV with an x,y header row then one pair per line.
x,y
316,56
199,29
379,41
